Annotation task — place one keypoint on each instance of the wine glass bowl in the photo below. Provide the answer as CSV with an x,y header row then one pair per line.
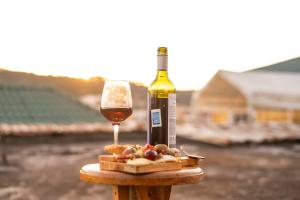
x,y
116,103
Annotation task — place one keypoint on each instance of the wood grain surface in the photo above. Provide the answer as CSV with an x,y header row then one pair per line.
x,y
93,174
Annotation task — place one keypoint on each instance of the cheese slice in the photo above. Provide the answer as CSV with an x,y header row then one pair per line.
x,y
140,161
144,161
166,158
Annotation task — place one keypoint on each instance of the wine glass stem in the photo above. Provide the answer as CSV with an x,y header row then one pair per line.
x,y
116,133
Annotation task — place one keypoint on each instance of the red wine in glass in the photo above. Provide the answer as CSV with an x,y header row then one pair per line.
x,y
116,103
116,115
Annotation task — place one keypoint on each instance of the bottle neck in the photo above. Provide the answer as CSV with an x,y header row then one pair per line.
x,y
162,74
162,67
162,62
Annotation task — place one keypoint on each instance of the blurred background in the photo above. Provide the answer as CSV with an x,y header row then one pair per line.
x,y
235,65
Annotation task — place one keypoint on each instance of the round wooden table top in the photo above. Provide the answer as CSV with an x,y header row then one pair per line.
x,y
92,173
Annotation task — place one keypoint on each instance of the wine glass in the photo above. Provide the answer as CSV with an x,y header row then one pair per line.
x,y
116,103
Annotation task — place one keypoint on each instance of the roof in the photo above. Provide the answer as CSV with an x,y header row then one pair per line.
x,y
292,65
42,107
267,89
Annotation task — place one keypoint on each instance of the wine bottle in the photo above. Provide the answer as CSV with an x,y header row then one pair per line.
x,y
161,112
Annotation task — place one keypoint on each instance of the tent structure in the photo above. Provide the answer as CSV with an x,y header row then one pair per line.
x,y
260,96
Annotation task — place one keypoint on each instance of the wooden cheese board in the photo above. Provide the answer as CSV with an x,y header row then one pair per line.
x,y
109,163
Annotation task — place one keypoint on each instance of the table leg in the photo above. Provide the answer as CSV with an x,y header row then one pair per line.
x,y
153,192
141,192
120,192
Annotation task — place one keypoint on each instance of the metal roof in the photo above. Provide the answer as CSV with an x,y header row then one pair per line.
x,y
267,89
40,105
292,65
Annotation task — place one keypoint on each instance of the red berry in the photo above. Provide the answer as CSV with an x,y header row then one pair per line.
x,y
147,147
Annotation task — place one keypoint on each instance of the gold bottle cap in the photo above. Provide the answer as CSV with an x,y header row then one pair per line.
x,y
162,51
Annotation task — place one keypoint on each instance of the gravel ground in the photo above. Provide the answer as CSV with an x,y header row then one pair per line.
x,y
48,168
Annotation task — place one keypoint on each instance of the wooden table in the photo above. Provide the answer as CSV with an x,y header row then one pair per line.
x,y
152,186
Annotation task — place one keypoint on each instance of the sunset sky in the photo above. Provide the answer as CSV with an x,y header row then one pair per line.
x,y
118,39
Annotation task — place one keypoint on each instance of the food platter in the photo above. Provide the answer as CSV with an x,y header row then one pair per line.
x,y
137,159
110,163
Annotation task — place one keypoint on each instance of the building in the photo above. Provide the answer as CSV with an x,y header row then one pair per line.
x,y
256,96
28,110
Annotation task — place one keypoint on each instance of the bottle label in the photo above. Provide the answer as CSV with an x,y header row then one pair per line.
x,y
172,120
148,119
162,62
156,118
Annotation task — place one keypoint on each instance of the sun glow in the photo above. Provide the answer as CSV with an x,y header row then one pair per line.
x,y
118,39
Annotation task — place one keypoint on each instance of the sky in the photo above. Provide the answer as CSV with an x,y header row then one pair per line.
x,y
118,39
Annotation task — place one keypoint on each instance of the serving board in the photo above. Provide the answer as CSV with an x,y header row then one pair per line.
x,y
109,163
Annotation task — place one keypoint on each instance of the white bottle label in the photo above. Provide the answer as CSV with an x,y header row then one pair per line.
x,y
162,62
172,119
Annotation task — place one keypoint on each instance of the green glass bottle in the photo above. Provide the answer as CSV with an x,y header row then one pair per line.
x,y
161,111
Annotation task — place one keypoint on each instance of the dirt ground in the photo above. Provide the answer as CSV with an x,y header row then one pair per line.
x,y
48,168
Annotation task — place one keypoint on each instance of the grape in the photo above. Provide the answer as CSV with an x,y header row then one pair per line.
x,y
150,154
